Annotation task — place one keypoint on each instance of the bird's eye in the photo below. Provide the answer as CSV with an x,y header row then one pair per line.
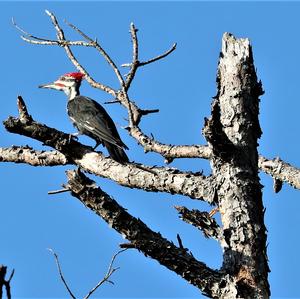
x,y
62,79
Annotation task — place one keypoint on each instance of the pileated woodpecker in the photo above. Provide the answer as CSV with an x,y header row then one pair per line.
x,y
89,117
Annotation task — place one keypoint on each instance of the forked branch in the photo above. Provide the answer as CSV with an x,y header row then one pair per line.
x,y
5,282
106,277
203,221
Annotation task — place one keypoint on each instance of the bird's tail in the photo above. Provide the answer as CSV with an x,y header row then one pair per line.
x,y
116,153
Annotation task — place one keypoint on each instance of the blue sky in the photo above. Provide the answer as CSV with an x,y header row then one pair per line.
x,y
181,86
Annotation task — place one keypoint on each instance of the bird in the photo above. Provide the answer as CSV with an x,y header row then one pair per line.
x,y
89,117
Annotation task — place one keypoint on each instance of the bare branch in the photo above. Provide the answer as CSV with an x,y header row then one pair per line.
x,y
43,41
112,102
61,274
143,238
127,245
58,191
280,170
24,115
11,275
107,276
135,64
159,56
26,154
135,56
28,34
99,48
61,41
180,242
202,221
5,283
56,43
168,151
61,38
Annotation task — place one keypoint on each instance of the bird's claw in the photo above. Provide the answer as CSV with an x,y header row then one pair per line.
x,y
73,136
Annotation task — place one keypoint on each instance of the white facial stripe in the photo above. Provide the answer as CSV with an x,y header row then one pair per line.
x,y
64,83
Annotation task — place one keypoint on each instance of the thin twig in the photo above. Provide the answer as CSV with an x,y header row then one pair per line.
x,y
61,37
11,275
127,245
58,191
109,273
62,42
7,285
28,37
113,102
159,56
22,109
179,241
28,34
124,86
135,56
149,111
61,274
99,48
56,43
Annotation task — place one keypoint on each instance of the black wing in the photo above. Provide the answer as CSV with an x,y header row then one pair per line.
x,y
91,119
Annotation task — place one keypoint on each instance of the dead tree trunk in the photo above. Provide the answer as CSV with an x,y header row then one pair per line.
x,y
232,133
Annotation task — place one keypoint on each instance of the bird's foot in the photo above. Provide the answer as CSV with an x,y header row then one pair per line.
x,y
97,144
73,136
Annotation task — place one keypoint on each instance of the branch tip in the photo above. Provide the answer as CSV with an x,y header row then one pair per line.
x,y
22,109
48,13
61,273
11,275
58,191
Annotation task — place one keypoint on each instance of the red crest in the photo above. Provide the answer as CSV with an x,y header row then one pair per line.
x,y
77,76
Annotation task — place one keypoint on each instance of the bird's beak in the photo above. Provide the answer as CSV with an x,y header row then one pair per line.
x,y
50,85
53,85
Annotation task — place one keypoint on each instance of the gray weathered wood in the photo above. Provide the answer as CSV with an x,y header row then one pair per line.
x,y
232,133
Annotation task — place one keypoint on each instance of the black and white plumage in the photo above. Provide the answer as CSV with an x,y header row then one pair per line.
x,y
89,117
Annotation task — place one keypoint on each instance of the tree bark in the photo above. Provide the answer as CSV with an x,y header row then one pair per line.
x,y
232,133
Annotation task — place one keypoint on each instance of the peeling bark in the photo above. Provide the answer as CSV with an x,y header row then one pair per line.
x,y
203,221
281,170
232,133
26,154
